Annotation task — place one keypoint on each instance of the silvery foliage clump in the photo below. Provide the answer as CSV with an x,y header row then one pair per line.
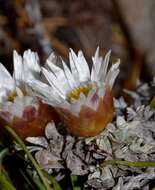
x,y
131,137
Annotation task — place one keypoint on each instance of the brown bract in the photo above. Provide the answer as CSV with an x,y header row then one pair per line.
x,y
89,122
32,123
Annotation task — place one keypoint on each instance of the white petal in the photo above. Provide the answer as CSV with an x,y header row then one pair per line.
x,y
3,95
18,68
101,91
55,84
6,80
65,105
17,107
44,91
5,106
52,58
93,73
103,69
69,76
60,76
83,68
48,95
89,102
20,103
76,106
91,94
19,92
31,65
97,60
96,65
112,74
50,64
73,60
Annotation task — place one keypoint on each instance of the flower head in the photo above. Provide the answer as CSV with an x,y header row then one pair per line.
x,y
18,107
83,98
25,68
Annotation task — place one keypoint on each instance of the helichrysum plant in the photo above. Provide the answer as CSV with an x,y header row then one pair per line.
x,y
107,141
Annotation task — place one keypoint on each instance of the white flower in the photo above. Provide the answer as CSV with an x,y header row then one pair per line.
x,y
26,68
14,95
19,108
79,94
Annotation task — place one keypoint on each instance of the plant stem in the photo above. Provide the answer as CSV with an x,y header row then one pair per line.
x,y
128,163
74,179
26,179
29,155
3,153
53,181
5,184
152,103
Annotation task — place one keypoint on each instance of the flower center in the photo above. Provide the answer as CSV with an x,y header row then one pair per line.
x,y
75,93
12,96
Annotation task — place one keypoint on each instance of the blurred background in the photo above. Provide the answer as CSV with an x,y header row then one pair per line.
x,y
127,27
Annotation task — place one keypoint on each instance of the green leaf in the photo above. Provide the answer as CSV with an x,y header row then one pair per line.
x,y
128,163
5,184
152,103
53,181
28,182
3,153
30,157
74,179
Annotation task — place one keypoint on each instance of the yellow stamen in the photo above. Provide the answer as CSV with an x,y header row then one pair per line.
x,y
75,93
12,96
